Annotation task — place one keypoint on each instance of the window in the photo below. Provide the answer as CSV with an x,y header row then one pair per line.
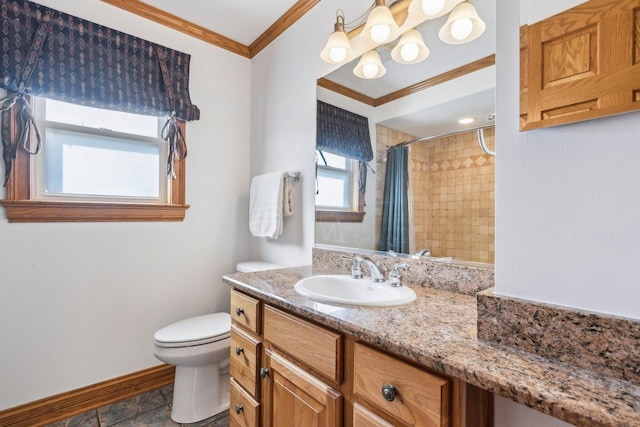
x,y
337,197
95,165
93,154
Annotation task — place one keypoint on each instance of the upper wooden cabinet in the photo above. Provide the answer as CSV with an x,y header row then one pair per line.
x,y
580,64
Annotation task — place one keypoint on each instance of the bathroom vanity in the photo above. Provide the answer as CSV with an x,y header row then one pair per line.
x,y
287,370
296,362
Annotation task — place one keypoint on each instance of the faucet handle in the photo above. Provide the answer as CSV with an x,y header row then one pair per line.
x,y
356,266
394,274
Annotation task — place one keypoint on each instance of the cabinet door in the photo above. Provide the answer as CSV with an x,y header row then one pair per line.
x,y
292,397
362,417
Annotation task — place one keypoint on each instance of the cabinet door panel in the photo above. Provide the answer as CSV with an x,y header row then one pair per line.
x,y
293,397
580,64
362,417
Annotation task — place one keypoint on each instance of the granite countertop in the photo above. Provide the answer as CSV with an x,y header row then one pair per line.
x,y
439,331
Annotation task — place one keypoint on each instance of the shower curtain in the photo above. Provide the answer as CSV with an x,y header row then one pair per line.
x,y
394,233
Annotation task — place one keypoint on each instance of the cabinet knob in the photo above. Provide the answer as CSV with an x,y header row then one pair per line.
x,y
239,311
239,408
389,392
239,350
264,372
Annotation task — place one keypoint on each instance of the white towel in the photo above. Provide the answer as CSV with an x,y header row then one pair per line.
x,y
271,198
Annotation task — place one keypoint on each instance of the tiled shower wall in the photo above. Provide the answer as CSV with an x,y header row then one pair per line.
x,y
452,197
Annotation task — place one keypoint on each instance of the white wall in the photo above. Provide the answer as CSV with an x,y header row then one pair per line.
x,y
80,302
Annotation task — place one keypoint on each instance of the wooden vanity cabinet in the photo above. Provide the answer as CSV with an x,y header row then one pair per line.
x,y
304,362
292,372
245,360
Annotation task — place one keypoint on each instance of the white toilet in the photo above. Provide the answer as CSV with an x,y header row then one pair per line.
x,y
199,348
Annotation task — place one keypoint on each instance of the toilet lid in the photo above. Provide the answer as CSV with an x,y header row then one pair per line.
x,y
196,330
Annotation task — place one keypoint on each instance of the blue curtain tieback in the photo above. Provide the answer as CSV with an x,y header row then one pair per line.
x,y
172,133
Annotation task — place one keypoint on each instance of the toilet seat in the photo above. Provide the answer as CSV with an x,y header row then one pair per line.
x,y
195,331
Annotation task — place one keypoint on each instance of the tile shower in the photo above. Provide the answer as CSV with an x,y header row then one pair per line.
x,y
452,193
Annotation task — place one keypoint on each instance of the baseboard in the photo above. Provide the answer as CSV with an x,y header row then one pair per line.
x,y
64,405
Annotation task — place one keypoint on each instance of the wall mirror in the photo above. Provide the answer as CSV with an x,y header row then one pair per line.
x,y
450,194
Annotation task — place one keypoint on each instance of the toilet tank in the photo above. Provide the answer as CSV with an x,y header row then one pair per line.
x,y
252,266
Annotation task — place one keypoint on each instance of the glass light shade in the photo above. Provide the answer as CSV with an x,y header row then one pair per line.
x,y
410,49
370,66
338,49
464,25
432,9
380,27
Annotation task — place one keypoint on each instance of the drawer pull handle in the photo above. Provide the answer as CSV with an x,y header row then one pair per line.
x,y
264,372
239,408
239,350
239,311
389,392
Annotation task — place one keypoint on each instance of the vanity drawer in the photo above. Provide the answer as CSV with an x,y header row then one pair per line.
x,y
313,345
245,311
421,398
244,360
243,410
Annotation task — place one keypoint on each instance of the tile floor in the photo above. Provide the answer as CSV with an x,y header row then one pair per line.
x,y
151,409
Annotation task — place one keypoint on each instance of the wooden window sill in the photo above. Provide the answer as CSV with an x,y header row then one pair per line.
x,y
339,216
45,211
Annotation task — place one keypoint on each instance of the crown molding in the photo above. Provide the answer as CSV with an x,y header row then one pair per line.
x,y
409,90
290,17
161,17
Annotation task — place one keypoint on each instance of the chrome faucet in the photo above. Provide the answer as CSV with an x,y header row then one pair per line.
x,y
356,268
394,274
422,252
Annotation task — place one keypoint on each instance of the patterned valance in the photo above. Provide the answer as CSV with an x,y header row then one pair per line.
x,y
343,133
73,60
47,53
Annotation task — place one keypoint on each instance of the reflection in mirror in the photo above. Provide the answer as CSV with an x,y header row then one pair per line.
x,y
449,196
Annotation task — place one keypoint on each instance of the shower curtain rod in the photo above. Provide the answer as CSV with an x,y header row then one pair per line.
x,y
428,138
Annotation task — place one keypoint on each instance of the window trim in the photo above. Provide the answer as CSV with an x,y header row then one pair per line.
x,y
341,215
20,207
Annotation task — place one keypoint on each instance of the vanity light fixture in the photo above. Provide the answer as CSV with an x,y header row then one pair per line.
x,y
463,25
370,66
381,27
410,49
432,9
338,48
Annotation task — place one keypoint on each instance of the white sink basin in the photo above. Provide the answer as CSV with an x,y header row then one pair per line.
x,y
344,289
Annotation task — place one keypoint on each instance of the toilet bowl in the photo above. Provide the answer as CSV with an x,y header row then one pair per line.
x,y
199,349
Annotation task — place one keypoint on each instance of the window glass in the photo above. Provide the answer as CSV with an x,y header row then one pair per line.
x,y
95,165
96,154
98,118
335,161
333,189
335,182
